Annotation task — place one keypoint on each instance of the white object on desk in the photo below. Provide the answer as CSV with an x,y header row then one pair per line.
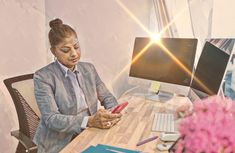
x,y
163,122
169,136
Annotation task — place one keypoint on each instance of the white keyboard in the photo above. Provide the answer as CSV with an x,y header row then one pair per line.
x,y
163,122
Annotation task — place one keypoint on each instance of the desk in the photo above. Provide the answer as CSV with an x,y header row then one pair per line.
x,y
135,125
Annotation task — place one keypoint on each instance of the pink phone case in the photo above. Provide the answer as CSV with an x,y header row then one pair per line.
x,y
119,107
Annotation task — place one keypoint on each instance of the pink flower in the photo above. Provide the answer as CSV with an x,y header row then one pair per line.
x,y
210,128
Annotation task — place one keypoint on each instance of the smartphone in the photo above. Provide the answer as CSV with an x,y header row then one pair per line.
x,y
119,108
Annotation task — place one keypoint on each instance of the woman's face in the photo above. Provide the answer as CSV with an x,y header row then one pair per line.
x,y
67,52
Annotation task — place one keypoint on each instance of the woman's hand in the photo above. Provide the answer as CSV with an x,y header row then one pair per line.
x,y
103,119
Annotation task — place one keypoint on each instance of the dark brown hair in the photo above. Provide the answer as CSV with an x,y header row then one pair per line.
x,y
59,32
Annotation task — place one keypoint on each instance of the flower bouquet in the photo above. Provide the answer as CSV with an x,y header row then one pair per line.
x,y
210,128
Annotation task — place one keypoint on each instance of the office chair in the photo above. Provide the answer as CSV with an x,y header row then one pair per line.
x,y
21,89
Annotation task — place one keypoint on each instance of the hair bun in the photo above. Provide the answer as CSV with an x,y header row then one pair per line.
x,y
55,23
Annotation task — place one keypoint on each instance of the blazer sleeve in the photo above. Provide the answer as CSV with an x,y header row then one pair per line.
x,y
50,114
105,97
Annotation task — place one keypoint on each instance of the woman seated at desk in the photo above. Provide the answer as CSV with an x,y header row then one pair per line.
x,y
67,92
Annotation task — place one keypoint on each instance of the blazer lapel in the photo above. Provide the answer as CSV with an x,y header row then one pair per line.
x,y
67,84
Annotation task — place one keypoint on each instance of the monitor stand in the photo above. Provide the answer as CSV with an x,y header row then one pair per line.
x,y
161,96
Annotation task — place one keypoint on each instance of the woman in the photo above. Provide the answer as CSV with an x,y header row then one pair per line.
x,y
67,92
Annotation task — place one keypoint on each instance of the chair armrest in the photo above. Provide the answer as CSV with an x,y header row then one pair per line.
x,y
24,140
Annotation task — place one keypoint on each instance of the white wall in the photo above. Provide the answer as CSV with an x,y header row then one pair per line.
x,y
22,51
223,21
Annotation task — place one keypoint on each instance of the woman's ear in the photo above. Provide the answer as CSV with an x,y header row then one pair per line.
x,y
53,50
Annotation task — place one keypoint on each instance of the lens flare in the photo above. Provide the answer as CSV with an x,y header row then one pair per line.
x,y
155,38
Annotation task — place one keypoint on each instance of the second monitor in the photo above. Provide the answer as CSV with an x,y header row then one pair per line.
x,y
210,70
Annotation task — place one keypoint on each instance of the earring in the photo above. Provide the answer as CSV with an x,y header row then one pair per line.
x,y
55,58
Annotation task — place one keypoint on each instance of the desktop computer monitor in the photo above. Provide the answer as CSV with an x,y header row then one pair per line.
x,y
210,71
170,61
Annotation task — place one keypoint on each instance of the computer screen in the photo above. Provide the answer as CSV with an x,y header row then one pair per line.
x,y
210,70
170,60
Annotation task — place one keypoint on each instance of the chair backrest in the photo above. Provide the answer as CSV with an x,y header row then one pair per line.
x,y
21,89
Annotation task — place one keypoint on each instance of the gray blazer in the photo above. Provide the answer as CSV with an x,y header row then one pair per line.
x,y
57,103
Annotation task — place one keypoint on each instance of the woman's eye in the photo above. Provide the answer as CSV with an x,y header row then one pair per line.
x,y
65,50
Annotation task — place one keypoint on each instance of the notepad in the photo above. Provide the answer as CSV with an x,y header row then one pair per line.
x,y
155,86
101,148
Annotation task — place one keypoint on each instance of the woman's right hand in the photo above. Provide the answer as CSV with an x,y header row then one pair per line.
x,y
103,119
